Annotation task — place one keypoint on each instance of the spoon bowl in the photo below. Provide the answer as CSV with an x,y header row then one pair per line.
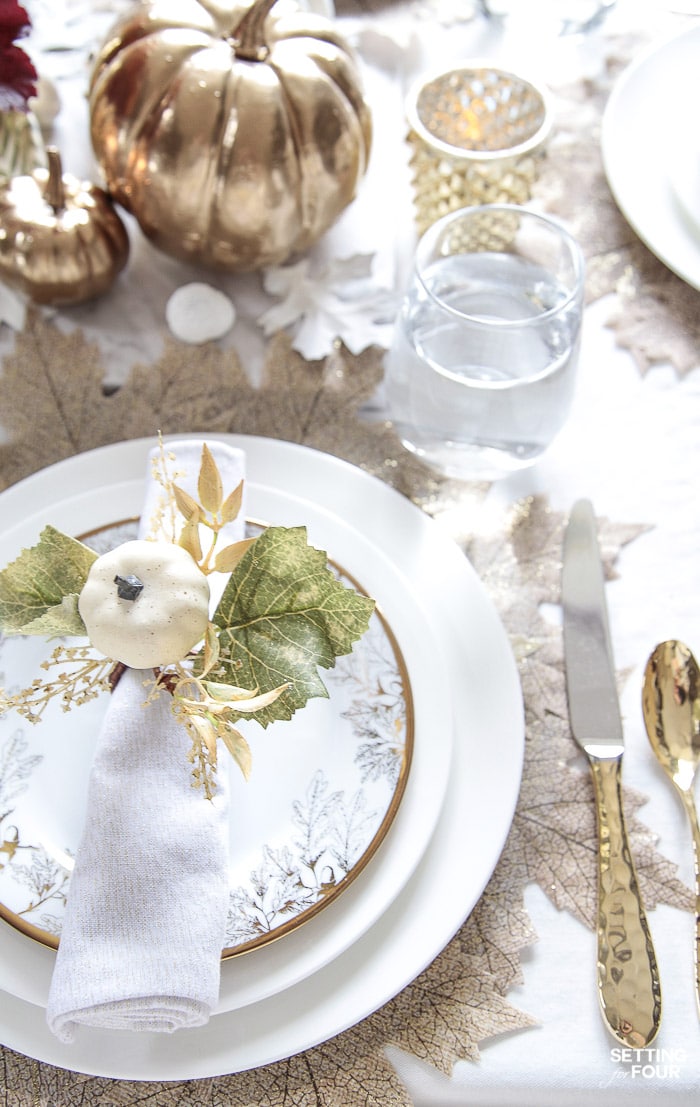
x,y
671,708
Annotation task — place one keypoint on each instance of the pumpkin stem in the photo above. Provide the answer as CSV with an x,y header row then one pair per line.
x,y
54,193
129,587
248,40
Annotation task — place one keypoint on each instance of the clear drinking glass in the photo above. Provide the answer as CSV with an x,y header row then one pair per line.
x,y
480,375
564,17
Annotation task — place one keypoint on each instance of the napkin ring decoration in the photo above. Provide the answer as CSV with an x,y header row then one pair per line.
x,y
146,605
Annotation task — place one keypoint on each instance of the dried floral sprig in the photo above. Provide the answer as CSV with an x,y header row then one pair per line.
x,y
209,710
88,677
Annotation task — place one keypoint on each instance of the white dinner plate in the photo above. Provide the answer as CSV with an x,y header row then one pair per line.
x,y
324,788
44,768
382,532
650,132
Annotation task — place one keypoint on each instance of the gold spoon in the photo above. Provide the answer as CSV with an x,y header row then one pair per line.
x,y
671,706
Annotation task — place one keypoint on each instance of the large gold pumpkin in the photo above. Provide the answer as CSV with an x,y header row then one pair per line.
x,y
235,137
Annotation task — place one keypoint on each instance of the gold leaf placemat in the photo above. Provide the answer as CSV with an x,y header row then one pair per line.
x,y
52,396
53,401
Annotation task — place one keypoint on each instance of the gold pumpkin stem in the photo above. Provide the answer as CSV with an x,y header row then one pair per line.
x,y
249,38
54,193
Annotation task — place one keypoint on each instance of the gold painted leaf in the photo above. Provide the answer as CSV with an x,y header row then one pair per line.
x,y
211,648
209,485
239,749
228,558
232,504
190,540
186,504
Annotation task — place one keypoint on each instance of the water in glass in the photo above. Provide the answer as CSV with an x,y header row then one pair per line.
x,y
484,394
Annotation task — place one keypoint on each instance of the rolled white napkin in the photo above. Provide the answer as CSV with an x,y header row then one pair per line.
x,y
146,915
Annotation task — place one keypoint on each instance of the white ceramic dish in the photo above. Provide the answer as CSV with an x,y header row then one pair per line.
x,y
47,810
333,775
649,127
382,533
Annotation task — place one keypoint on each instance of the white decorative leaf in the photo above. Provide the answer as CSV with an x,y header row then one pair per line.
x,y
16,766
338,301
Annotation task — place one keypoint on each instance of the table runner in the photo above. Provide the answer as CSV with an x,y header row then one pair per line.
x,y
462,998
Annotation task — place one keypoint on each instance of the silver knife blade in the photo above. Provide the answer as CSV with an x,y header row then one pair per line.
x,y
594,708
628,978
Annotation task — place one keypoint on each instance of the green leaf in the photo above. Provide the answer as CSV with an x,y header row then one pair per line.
x,y
58,621
283,616
39,590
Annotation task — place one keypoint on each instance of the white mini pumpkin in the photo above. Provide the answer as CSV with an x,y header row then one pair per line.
x,y
145,604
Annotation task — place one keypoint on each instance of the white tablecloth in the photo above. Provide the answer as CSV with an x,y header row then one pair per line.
x,y
632,445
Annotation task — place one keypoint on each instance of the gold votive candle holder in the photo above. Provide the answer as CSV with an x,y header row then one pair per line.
x,y
477,135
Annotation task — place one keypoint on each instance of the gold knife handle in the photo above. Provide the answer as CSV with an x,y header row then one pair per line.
x,y
628,977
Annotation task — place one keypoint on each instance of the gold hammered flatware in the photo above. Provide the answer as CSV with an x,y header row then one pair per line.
x,y
628,978
671,707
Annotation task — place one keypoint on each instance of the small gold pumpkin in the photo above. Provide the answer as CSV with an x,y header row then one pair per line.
x,y
61,241
235,136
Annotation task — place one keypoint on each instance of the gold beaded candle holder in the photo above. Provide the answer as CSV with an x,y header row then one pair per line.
x,y
477,136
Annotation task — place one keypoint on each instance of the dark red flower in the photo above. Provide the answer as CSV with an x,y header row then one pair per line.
x,y
14,21
17,73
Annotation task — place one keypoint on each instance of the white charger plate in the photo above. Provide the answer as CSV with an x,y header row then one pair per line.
x,y
649,127
51,808
382,533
